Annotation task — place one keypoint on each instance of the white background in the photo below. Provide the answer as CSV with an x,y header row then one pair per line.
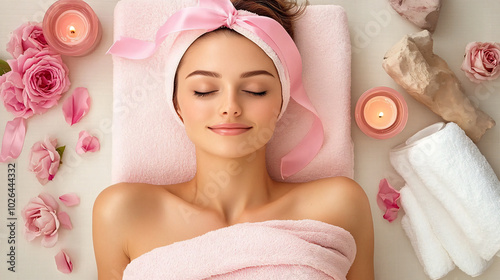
x,y
374,28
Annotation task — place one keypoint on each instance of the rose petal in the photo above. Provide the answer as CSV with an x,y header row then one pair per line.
x,y
65,220
49,201
70,199
49,241
391,214
13,139
76,106
30,235
63,262
387,198
87,143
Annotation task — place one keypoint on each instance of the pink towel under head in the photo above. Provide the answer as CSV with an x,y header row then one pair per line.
x,y
278,249
150,146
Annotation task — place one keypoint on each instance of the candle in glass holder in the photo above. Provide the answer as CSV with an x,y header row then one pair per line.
x,y
381,112
71,27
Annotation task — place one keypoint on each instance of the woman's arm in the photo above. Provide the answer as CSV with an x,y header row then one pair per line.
x,y
108,228
358,213
342,202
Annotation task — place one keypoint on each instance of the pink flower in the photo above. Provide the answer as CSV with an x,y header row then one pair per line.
x,y
40,217
87,143
63,262
13,95
44,160
481,62
44,76
387,200
28,35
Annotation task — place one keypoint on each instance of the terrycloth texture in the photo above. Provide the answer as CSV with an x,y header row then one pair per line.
x,y
428,248
278,249
150,146
456,191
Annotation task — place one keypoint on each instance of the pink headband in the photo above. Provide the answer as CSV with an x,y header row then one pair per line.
x,y
265,32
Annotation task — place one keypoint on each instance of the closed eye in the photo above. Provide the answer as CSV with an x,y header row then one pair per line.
x,y
260,93
203,93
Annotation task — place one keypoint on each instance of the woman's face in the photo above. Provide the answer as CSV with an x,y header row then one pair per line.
x,y
228,94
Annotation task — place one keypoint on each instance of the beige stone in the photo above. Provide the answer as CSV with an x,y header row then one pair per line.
x,y
427,78
422,13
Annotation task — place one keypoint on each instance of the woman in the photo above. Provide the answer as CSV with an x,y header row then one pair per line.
x,y
227,92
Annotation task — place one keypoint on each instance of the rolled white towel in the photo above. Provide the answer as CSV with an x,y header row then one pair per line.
x,y
450,177
431,254
449,234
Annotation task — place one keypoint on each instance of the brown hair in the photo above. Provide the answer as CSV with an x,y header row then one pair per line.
x,y
282,11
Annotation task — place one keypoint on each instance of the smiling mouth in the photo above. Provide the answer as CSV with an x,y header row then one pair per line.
x,y
230,129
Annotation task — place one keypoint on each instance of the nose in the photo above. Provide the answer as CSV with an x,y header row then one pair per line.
x,y
230,104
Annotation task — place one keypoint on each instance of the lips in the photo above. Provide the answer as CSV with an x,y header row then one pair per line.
x,y
230,129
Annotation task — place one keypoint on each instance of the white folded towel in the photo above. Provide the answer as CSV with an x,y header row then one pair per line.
x,y
456,189
426,244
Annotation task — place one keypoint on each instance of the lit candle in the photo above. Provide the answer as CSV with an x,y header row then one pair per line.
x,y
381,112
71,27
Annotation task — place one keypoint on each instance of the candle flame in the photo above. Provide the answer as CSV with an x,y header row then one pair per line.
x,y
380,115
72,29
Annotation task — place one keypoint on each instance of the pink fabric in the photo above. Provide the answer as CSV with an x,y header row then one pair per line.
x,y
277,249
148,144
211,14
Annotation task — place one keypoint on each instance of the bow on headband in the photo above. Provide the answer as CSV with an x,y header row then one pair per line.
x,y
212,14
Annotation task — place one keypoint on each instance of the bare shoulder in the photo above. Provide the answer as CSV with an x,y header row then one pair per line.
x,y
339,186
117,209
118,200
343,202
338,200
125,204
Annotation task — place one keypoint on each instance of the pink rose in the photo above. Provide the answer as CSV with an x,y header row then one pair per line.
x,y
40,219
87,143
45,78
44,160
28,35
481,61
13,95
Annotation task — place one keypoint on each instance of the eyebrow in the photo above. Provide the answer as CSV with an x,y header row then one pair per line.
x,y
204,73
255,73
217,75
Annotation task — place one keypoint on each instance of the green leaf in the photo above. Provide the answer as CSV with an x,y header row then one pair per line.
x,y
4,67
60,151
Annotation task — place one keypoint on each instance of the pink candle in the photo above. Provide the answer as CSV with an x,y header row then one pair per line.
x,y
71,27
381,112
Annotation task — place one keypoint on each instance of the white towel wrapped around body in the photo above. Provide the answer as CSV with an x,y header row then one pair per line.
x,y
457,191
